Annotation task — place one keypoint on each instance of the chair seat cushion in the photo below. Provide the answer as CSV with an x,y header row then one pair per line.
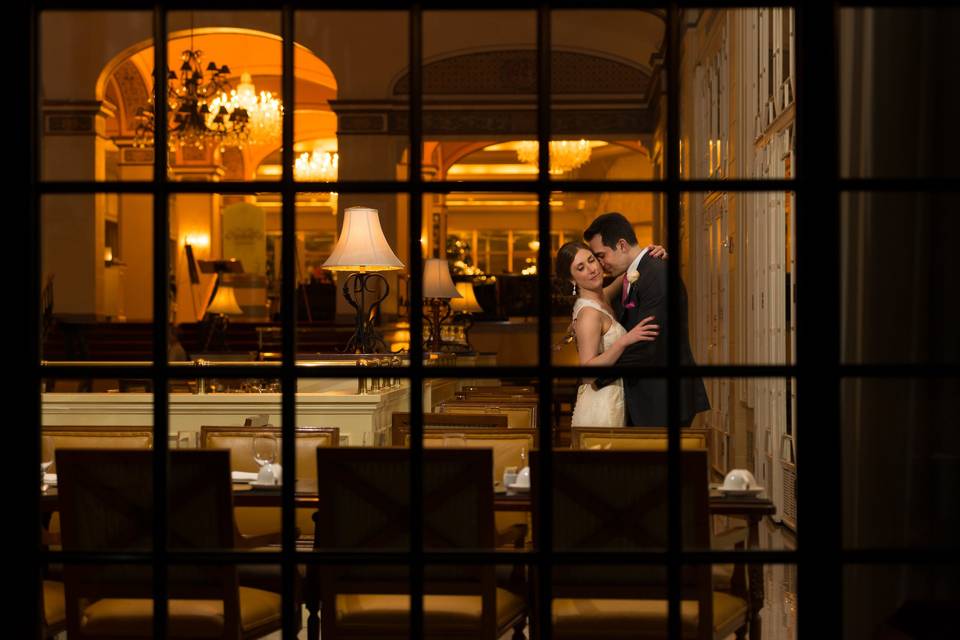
x,y
54,609
374,612
187,618
622,617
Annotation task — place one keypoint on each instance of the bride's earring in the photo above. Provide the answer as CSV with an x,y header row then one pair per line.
x,y
574,288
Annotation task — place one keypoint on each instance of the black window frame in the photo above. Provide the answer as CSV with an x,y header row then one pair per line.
x,y
818,371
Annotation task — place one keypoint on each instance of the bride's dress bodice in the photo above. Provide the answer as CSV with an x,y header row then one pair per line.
x,y
600,407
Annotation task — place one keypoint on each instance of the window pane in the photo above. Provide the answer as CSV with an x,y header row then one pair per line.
x,y
891,131
740,276
352,121
572,215
97,265
899,600
331,235
241,126
738,94
485,60
901,462
899,249
489,242
608,95
91,93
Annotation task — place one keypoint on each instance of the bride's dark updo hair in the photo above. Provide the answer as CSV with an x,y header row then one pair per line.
x,y
565,256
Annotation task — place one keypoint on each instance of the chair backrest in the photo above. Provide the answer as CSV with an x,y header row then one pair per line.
x,y
519,414
98,437
639,438
501,390
364,505
401,422
508,445
106,502
239,440
618,500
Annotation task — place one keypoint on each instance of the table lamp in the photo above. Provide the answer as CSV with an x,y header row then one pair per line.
x,y
463,308
363,249
224,303
438,289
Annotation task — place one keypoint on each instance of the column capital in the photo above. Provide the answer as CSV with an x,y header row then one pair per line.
x,y
76,117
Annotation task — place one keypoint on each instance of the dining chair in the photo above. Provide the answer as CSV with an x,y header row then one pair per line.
x,y
401,420
239,440
655,439
520,414
106,498
92,437
634,438
509,447
364,505
618,501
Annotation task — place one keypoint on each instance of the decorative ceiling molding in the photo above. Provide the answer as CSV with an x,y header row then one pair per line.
x,y
133,92
515,72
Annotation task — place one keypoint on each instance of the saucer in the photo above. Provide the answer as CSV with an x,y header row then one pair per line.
x,y
755,491
265,485
243,477
519,488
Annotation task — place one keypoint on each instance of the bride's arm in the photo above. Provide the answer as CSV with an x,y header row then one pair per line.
x,y
589,335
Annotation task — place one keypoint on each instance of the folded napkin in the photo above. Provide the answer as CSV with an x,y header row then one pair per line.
x,y
243,476
50,479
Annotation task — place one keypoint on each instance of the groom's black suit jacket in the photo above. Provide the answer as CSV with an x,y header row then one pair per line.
x,y
646,398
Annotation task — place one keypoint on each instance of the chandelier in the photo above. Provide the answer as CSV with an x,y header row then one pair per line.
x,y
318,166
264,113
207,110
565,155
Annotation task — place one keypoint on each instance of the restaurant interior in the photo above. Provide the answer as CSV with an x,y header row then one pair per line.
x,y
328,390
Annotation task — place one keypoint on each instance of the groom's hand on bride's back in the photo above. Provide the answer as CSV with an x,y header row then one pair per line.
x,y
645,331
657,251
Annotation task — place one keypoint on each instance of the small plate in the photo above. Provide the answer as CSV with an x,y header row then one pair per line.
x,y
265,485
519,488
755,491
243,477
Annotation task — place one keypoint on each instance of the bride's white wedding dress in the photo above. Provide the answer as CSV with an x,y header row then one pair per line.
x,y
600,407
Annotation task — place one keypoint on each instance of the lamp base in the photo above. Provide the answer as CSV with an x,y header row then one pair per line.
x,y
217,336
365,338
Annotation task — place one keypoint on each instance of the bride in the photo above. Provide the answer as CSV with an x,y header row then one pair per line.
x,y
600,337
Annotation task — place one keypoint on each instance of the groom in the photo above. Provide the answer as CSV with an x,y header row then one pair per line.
x,y
613,241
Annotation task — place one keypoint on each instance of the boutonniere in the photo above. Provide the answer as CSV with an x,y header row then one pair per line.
x,y
633,276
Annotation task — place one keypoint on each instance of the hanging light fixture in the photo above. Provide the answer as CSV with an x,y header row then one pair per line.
x,y
203,108
565,155
263,114
318,166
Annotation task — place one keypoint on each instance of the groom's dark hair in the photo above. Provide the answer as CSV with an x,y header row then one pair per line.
x,y
612,227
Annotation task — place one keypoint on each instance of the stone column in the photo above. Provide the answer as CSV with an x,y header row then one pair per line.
x,y
72,226
194,217
136,233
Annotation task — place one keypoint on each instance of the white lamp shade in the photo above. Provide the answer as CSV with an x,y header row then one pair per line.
x,y
225,302
437,282
468,303
362,245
